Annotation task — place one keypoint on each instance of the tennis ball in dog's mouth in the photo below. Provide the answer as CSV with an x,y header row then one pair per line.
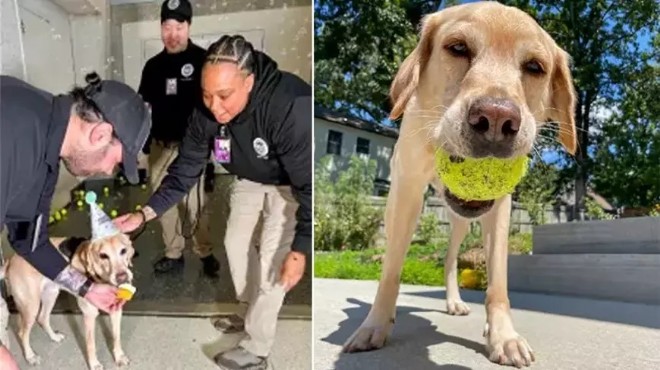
x,y
125,291
480,179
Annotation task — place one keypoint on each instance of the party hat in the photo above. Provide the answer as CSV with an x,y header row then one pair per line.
x,y
102,226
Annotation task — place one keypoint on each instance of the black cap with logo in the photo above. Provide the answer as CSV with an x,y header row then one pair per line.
x,y
124,109
180,10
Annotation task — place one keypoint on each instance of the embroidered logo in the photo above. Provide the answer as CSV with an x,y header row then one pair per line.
x,y
260,147
173,4
187,70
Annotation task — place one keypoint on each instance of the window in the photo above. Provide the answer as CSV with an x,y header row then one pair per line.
x,y
334,142
362,146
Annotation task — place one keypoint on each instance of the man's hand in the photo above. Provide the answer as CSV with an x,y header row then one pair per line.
x,y
7,362
104,297
293,269
129,222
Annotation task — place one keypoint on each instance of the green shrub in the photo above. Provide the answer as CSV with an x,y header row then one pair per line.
x,y
344,217
428,231
594,211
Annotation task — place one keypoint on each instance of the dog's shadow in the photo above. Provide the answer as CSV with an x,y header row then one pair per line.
x,y
407,347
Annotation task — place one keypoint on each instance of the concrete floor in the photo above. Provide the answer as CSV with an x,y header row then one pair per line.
x,y
158,343
188,292
566,333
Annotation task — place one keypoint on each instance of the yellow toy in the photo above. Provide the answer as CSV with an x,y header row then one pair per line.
x,y
480,179
125,292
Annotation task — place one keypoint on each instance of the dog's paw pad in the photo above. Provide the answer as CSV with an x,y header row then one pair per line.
x,y
122,360
458,308
33,360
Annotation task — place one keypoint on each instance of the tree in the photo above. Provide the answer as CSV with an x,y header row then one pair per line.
x,y
537,190
603,38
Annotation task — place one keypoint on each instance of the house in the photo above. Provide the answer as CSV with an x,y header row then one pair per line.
x,y
342,135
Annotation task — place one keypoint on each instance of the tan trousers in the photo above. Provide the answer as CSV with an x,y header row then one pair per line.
x,y
256,273
174,235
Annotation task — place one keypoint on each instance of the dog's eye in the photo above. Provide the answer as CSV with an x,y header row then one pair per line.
x,y
104,256
459,49
534,67
123,251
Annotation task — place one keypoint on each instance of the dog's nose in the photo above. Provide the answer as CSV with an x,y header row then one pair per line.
x,y
495,118
122,277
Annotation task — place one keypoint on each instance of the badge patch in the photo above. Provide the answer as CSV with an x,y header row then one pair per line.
x,y
173,4
260,147
170,86
187,70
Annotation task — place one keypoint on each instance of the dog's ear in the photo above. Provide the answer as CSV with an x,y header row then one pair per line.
x,y
81,257
407,78
563,101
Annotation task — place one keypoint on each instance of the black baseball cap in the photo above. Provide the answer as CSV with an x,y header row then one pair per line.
x,y
124,109
181,10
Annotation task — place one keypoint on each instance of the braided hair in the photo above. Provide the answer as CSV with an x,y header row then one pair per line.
x,y
233,49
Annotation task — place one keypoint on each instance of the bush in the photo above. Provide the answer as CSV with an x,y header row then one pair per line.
x,y
343,215
537,190
594,211
428,231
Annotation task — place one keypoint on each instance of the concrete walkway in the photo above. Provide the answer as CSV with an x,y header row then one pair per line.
x,y
565,332
154,343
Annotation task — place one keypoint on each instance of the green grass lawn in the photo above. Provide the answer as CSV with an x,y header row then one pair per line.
x,y
422,265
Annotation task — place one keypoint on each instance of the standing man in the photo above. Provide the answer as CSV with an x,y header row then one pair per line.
x,y
258,120
91,130
170,84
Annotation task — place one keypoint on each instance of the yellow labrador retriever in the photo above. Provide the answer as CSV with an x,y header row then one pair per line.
x,y
107,261
482,80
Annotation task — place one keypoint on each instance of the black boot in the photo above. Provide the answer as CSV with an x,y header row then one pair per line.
x,y
168,264
211,266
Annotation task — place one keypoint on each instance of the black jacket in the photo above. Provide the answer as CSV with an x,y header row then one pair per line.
x,y
32,128
171,85
279,112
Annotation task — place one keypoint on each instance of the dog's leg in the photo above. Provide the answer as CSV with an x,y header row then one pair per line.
x,y
28,314
503,343
412,168
120,357
90,313
48,299
459,228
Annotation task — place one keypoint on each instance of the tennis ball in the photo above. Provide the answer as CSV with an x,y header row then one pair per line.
x,y
64,211
144,186
469,279
101,205
58,216
79,203
106,189
113,213
480,179
138,207
51,219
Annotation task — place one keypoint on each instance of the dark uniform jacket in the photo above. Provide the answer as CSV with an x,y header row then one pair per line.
x,y
271,143
171,85
32,128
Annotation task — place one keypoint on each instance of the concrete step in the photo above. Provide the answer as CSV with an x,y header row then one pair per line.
x,y
635,235
618,277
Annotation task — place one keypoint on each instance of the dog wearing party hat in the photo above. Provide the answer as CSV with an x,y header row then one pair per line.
x,y
105,258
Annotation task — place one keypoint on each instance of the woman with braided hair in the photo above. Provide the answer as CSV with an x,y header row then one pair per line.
x,y
257,121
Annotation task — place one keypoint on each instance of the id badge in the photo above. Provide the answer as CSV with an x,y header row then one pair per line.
x,y
222,150
170,86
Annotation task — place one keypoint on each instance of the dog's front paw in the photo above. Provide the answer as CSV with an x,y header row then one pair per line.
x,y
33,359
57,337
506,347
371,335
457,307
121,359
95,366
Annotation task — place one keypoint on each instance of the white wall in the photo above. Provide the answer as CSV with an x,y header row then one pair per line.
x,y
11,46
380,146
284,34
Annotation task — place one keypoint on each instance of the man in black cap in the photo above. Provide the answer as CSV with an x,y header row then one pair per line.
x,y
171,85
92,130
